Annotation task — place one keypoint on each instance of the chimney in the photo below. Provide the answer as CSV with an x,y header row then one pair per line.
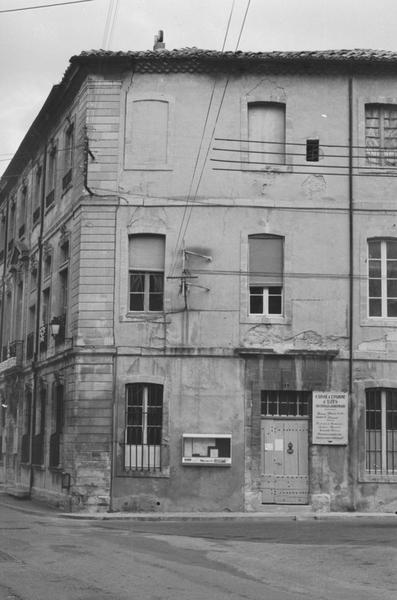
x,y
158,41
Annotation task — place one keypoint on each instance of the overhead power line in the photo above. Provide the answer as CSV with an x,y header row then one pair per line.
x,y
9,10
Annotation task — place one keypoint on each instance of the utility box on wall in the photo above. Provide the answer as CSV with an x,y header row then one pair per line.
x,y
207,449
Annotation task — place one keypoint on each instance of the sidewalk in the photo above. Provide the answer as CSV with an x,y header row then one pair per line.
x,y
290,513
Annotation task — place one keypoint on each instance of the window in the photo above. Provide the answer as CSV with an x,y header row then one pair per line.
x,y
47,266
146,143
381,431
285,403
68,156
382,278
39,428
265,274
381,134
51,176
143,426
146,263
37,195
58,422
266,124
312,150
22,211
27,411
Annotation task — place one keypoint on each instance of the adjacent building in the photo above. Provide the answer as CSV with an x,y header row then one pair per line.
x,y
199,284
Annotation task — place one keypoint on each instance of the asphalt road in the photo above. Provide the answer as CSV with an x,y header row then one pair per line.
x,y
45,557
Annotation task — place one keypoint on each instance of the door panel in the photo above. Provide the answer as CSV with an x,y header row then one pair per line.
x,y
284,477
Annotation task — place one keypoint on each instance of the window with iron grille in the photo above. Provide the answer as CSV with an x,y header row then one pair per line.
x,y
382,278
312,150
381,431
146,264
265,275
143,427
285,403
381,134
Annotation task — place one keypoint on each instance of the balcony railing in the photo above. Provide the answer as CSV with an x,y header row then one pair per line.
x,y
11,355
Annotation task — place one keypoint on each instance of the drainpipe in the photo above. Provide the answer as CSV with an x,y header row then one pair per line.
x,y
352,456
351,265
38,313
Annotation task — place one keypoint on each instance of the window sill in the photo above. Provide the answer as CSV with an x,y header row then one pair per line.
x,y
267,169
379,322
144,315
159,167
367,478
164,474
266,320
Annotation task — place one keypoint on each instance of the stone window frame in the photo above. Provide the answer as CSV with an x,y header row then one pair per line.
x,y
164,471
245,316
360,418
371,231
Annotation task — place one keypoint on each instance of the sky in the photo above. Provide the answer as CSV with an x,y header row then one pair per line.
x,y
37,43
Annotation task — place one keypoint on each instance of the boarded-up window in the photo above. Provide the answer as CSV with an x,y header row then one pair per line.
x,y
381,134
266,124
146,143
265,274
146,265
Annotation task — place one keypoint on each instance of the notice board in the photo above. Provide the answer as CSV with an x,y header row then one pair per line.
x,y
330,418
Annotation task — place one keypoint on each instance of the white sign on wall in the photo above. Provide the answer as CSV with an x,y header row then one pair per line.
x,y
330,418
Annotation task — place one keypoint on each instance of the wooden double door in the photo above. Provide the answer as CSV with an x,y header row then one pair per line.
x,y
284,448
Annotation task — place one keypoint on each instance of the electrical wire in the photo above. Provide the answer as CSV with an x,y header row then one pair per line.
x,y
180,235
299,143
110,21
10,10
294,172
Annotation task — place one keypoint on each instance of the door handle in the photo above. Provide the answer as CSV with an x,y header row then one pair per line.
x,y
290,448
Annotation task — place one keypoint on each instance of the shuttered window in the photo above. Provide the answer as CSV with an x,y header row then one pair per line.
x,y
381,134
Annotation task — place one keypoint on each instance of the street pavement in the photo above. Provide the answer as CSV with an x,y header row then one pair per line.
x,y
45,556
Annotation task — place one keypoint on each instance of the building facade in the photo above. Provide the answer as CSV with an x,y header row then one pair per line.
x,y
199,288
